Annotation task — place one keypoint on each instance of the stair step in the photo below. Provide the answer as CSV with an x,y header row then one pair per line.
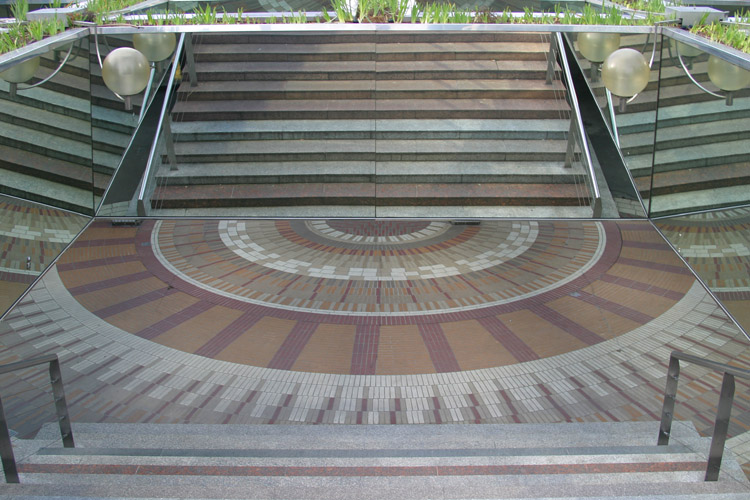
x,y
366,194
359,109
370,129
368,70
364,51
372,89
592,460
703,199
369,171
57,194
696,179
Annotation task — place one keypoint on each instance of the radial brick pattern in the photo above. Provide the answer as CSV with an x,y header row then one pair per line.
x,y
412,298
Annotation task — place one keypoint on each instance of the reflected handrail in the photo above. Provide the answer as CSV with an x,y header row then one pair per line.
x,y
596,203
150,171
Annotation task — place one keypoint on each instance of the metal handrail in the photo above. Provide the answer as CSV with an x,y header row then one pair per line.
x,y
163,125
723,412
577,126
61,407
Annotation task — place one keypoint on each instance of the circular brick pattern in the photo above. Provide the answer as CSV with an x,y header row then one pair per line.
x,y
453,268
373,231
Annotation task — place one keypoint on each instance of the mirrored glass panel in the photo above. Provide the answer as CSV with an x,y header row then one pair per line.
x,y
703,134
125,119
716,244
31,237
45,129
627,124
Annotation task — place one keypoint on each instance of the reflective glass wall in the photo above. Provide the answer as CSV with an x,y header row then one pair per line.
x,y
684,140
45,131
716,244
31,237
702,151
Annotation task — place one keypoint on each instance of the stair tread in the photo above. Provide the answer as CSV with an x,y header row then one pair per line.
x,y
375,85
412,146
357,190
375,125
220,169
369,66
322,105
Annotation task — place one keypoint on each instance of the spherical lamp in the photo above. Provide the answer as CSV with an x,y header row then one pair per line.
x,y
686,50
126,72
22,72
597,46
727,76
625,73
155,46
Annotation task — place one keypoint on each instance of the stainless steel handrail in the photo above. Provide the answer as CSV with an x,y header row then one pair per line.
x,y
723,412
596,203
61,407
148,174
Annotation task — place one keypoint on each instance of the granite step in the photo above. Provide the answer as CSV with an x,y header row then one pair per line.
x,y
368,70
372,150
369,194
539,129
583,460
385,172
371,89
358,109
57,194
368,51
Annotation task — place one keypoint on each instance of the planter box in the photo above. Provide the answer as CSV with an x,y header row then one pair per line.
x,y
692,15
61,13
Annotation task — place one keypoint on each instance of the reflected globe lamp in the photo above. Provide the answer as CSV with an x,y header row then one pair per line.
x,y
126,72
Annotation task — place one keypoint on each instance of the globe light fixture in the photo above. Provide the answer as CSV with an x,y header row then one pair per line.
x,y
625,73
727,76
20,73
126,72
155,46
595,47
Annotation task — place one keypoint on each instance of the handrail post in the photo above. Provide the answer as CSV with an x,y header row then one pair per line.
x,y
6,450
61,405
571,149
723,412
720,428
670,395
551,57
190,59
61,408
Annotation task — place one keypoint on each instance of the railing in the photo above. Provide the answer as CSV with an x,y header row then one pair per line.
x,y
722,413
576,134
61,407
163,134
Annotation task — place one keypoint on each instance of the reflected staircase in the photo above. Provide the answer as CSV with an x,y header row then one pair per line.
x,y
60,143
386,124
700,151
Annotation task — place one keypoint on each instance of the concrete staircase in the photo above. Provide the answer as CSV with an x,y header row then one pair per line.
x,y
387,124
592,460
